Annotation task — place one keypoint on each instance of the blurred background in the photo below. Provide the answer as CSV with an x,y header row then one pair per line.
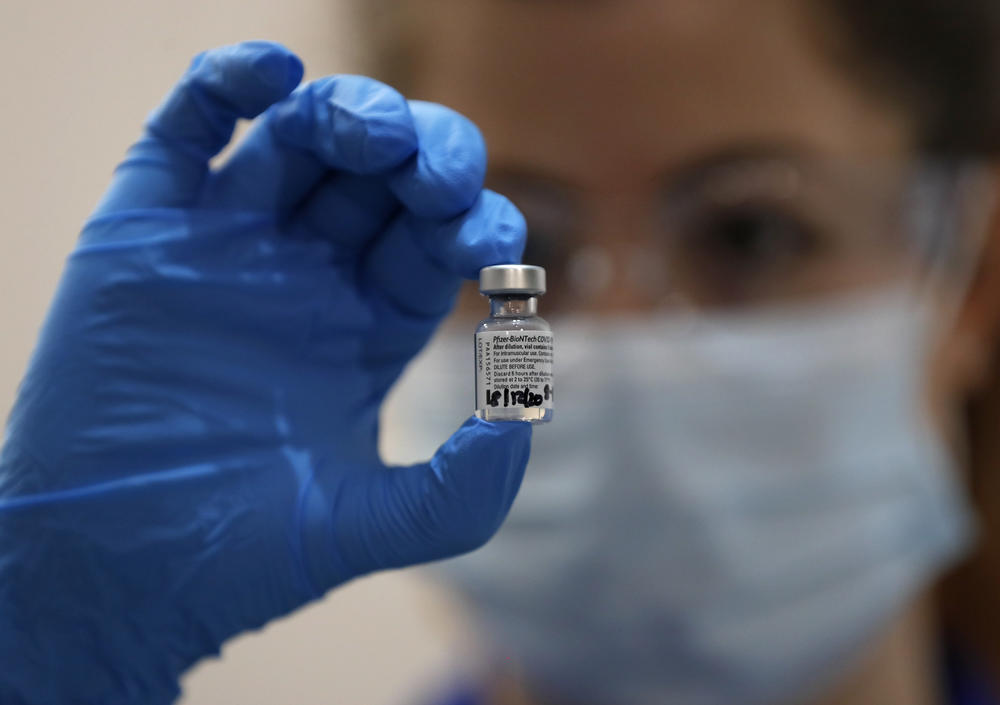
x,y
78,80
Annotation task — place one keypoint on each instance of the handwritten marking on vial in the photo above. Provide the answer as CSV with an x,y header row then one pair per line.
x,y
519,397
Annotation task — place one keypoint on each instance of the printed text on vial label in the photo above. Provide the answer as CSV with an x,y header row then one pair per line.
x,y
514,369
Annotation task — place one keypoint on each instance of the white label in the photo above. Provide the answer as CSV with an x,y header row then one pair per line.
x,y
514,369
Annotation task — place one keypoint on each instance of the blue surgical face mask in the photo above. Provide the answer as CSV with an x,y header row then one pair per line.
x,y
724,511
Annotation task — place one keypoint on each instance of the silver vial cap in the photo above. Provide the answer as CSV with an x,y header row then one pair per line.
x,y
512,279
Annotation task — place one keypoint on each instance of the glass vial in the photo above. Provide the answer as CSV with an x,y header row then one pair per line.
x,y
513,347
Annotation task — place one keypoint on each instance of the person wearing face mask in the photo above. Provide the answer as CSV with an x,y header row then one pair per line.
x,y
771,244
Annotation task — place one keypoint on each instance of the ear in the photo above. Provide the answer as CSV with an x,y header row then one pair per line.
x,y
966,361
970,353
977,326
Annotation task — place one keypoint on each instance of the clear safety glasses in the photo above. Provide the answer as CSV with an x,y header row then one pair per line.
x,y
759,232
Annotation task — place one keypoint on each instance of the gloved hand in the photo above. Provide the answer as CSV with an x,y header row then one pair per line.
x,y
193,450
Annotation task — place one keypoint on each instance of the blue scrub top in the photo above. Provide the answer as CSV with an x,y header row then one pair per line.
x,y
967,694
963,677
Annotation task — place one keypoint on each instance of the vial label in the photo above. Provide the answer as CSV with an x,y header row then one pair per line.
x,y
514,370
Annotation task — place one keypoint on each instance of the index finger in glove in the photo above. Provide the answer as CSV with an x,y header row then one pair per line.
x,y
445,176
166,168
337,124
441,180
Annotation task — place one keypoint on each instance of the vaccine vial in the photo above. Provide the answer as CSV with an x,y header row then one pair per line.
x,y
513,347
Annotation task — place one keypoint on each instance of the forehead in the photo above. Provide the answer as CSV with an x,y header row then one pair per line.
x,y
617,90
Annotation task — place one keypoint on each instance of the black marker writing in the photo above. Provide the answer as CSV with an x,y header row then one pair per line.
x,y
519,397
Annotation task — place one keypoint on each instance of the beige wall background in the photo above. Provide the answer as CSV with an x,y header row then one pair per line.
x,y
77,81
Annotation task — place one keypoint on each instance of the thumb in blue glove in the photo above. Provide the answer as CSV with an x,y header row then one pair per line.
x,y
193,449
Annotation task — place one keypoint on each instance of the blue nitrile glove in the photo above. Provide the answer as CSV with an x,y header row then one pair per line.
x,y
193,450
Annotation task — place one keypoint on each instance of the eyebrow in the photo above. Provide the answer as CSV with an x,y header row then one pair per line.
x,y
693,171
687,173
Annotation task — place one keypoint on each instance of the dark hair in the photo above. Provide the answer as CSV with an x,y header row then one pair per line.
x,y
941,57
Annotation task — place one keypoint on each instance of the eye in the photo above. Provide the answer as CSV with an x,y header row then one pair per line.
x,y
749,236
